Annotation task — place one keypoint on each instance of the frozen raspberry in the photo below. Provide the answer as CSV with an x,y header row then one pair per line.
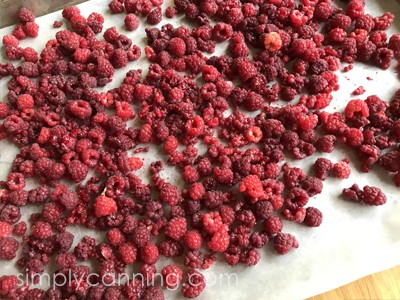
x,y
95,22
19,32
305,49
25,101
322,167
31,29
253,186
10,40
296,198
220,240
131,22
5,229
77,170
176,228
19,229
69,40
193,239
58,24
356,107
4,110
149,254
172,276
245,69
177,47
8,284
153,293
25,15
41,230
104,68
8,248
30,55
312,186
170,194
384,22
195,284
313,217
15,181
155,16
115,237
127,253
284,242
141,236
272,41
212,221
373,196
70,11
104,206
341,170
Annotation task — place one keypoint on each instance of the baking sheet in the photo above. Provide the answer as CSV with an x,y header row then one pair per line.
x,y
353,240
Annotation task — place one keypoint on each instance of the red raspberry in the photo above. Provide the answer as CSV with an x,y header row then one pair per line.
x,y
4,110
8,248
313,217
19,229
30,55
171,144
220,240
31,29
195,284
297,215
341,170
41,230
95,22
8,284
196,191
170,12
373,196
10,40
155,16
25,15
104,68
284,242
115,237
149,254
305,50
116,6
170,194
322,167
176,228
5,229
135,163
15,181
254,134
193,239
127,253
25,101
146,134
58,24
190,174
19,32
272,225
131,22
104,206
77,170
177,47
70,11
212,221
82,55
355,108
253,186
141,236
172,276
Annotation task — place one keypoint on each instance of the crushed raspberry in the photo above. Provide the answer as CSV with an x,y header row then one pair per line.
x,y
104,206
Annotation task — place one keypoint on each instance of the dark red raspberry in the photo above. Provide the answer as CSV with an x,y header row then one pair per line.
x,y
313,217
77,170
373,196
194,285
8,248
284,242
149,253
41,230
170,194
131,22
176,228
322,167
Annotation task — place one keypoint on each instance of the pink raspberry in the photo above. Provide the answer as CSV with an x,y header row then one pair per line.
x,y
272,41
284,242
10,40
8,284
115,237
30,55
356,108
70,11
104,206
25,15
196,191
176,228
5,229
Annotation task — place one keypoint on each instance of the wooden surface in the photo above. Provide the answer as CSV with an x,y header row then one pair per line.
x,y
383,285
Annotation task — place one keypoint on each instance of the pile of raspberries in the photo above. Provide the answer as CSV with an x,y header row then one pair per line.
x,y
237,193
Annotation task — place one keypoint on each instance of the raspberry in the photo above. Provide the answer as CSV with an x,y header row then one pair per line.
x,y
8,284
19,32
322,167
149,254
355,108
153,292
4,110
172,276
212,221
58,24
25,101
15,181
41,230
220,240
104,206
77,170
19,229
245,69
341,170
30,55
169,194
305,50
10,40
8,248
272,41
373,196
253,186
127,253
193,239
25,15
131,22
296,198
312,186
313,217
195,126
31,29
5,229
70,11
176,228
18,198
95,22
155,16
115,237
177,47
140,236
284,242
195,284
